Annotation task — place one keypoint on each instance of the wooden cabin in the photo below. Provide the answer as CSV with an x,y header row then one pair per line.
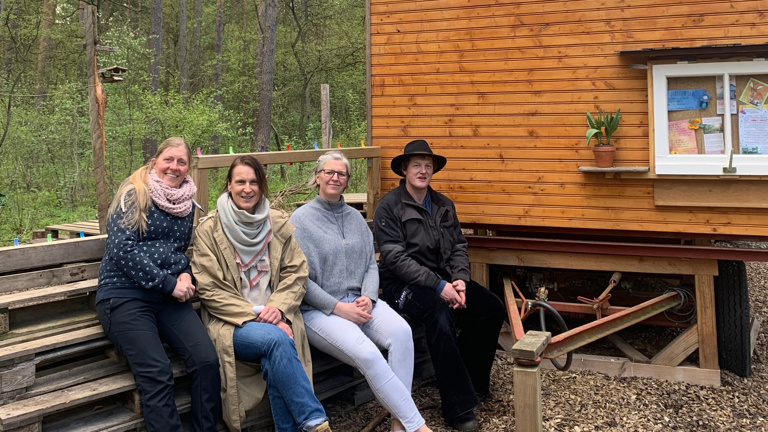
x,y
502,87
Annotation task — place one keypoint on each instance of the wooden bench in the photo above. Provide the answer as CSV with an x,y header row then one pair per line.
x,y
59,372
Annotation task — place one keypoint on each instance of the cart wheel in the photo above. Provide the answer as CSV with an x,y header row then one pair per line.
x,y
563,328
732,314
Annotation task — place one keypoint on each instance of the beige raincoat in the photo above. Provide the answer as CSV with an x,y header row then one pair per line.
x,y
224,307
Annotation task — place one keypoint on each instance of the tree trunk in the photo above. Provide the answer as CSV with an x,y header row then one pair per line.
x,y
183,47
257,77
97,106
267,68
196,45
325,115
10,45
155,51
155,43
49,17
217,69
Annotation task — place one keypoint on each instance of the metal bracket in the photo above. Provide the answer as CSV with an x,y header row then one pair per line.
x,y
730,169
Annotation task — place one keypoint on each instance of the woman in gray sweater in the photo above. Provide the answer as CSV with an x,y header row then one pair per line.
x,y
341,314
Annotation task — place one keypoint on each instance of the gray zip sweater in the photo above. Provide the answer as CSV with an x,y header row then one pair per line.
x,y
338,264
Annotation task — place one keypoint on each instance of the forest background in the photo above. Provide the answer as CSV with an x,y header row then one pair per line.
x,y
200,69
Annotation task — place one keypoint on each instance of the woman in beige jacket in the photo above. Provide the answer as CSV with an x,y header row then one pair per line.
x,y
251,277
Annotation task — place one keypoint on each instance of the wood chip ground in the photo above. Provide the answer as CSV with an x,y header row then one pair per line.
x,y
585,401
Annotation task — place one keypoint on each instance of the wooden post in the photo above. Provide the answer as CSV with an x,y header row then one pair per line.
x,y
325,109
4,321
479,273
374,186
200,177
96,110
527,378
705,319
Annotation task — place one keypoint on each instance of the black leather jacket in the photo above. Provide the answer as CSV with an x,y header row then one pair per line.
x,y
416,247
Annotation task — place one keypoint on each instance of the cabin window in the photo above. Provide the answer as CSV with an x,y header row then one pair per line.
x,y
710,118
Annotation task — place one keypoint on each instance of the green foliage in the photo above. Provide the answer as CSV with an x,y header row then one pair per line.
x,y
605,124
46,165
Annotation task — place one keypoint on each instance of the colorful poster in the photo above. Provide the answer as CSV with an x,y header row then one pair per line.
x,y
721,97
753,130
682,139
754,93
712,127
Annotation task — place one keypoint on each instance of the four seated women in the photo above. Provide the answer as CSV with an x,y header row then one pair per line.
x,y
251,277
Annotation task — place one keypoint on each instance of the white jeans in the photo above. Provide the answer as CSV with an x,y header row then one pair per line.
x,y
359,346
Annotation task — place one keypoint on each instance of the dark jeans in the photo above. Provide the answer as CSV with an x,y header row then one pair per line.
x,y
138,329
462,343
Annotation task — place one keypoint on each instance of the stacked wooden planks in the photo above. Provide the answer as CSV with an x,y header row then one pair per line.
x,y
59,372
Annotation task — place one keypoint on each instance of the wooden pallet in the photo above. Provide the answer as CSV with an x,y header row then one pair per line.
x,y
88,228
58,370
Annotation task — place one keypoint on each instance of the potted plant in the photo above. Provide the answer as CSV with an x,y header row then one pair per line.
x,y
602,127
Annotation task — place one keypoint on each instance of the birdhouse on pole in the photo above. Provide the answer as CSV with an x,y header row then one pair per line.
x,y
112,74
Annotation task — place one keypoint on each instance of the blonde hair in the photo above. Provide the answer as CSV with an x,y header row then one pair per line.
x,y
135,205
320,164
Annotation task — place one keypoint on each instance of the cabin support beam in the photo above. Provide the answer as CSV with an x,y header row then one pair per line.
x,y
701,336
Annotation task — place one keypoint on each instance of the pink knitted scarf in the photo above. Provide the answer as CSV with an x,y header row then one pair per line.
x,y
174,201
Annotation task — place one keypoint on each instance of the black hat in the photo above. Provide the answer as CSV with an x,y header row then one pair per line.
x,y
416,148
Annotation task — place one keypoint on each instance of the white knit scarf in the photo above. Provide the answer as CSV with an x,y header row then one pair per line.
x,y
250,235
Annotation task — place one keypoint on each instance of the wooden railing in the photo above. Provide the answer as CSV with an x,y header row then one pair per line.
x,y
201,165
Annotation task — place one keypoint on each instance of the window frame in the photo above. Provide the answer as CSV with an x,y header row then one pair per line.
x,y
702,164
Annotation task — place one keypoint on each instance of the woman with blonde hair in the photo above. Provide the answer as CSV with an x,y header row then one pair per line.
x,y
145,282
341,313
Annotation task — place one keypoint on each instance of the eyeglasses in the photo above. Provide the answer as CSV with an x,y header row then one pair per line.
x,y
330,173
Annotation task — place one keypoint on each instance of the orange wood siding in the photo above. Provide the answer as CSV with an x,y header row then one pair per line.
x,y
500,87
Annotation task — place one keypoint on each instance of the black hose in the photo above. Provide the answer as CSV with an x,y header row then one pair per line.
x,y
563,328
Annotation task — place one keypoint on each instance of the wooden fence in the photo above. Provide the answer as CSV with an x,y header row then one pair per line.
x,y
201,165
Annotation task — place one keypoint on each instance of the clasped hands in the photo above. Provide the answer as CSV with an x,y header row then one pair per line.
x,y
455,294
358,312
184,289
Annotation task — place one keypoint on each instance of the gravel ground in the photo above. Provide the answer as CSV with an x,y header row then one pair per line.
x,y
587,401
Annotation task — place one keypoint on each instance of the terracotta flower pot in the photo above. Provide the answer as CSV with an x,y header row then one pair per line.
x,y
604,155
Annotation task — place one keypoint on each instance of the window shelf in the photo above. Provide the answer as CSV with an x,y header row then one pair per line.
x,y
594,169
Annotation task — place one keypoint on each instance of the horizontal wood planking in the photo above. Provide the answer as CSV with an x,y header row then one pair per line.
x,y
383,8
500,39
14,258
33,409
605,97
557,14
514,87
730,195
564,19
623,367
518,108
506,76
267,158
628,40
577,220
48,294
539,120
51,342
55,276
521,131
599,262
500,89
